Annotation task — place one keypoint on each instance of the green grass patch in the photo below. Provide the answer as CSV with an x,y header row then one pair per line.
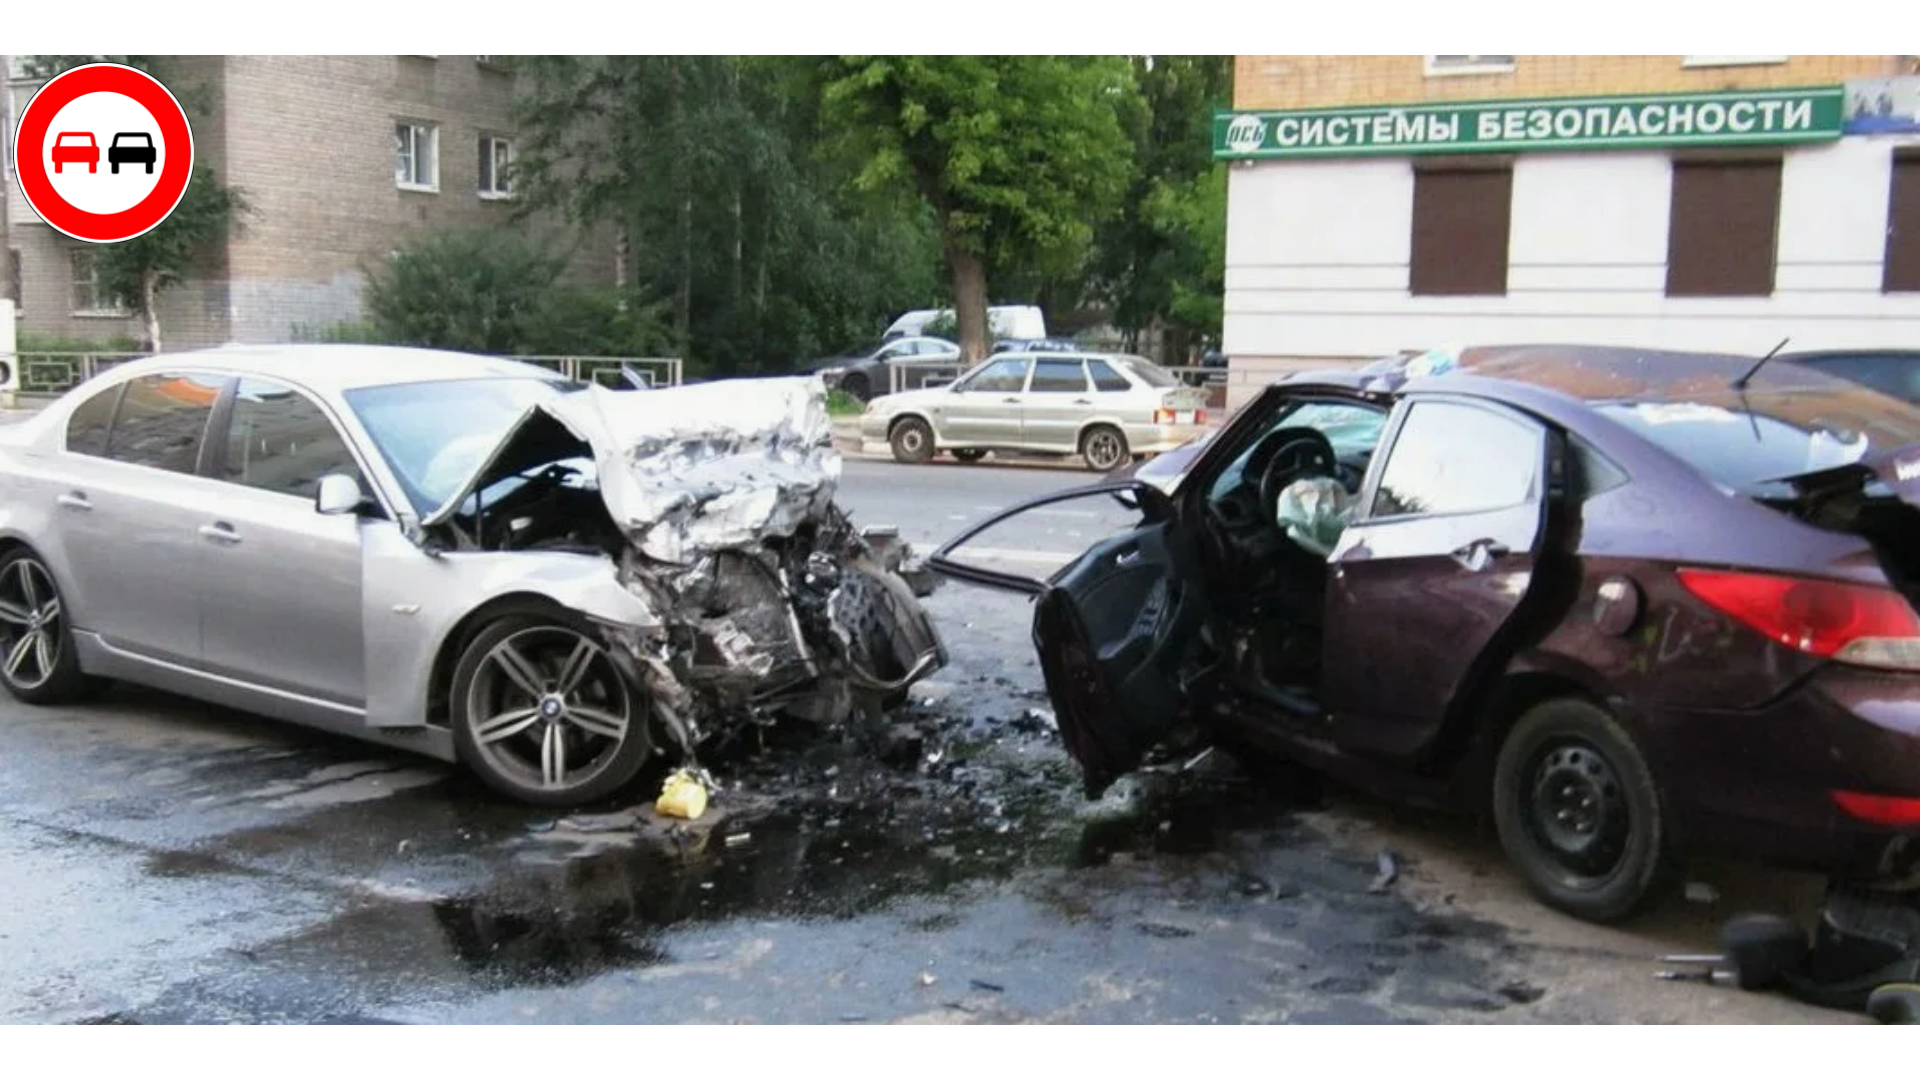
x,y
841,403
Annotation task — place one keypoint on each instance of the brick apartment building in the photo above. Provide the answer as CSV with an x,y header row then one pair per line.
x,y
1382,203
342,159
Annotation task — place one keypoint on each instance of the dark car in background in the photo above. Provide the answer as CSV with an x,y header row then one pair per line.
x,y
1890,371
864,374
1630,604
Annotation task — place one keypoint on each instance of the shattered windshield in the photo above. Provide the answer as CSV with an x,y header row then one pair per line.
x,y
433,435
1747,445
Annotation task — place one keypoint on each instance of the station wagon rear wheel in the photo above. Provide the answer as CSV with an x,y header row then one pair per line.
x,y
542,714
1577,811
1104,448
37,658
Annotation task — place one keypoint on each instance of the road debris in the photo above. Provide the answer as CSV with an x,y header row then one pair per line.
x,y
1699,892
683,796
1389,873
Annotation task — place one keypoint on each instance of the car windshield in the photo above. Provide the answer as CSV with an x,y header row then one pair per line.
x,y
433,435
1149,372
1745,445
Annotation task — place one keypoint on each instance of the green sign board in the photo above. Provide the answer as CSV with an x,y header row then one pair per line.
x,y
1465,127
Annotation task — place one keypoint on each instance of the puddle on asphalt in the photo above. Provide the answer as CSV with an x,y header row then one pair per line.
x,y
806,831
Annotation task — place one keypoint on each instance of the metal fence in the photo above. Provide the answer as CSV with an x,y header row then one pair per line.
x,y
44,374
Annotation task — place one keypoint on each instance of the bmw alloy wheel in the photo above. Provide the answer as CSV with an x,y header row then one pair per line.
x,y
31,621
545,715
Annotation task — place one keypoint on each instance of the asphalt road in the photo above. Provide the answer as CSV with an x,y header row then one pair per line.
x,y
166,862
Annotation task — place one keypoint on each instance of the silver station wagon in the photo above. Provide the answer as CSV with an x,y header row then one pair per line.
x,y
1108,408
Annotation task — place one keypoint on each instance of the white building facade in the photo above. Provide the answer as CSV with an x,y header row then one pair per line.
x,y
1722,220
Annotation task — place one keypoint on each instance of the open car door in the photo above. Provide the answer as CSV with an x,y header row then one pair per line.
x,y
1114,628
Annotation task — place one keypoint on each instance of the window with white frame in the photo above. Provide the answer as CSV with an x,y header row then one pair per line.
x,y
416,156
1471,65
90,296
1732,61
496,167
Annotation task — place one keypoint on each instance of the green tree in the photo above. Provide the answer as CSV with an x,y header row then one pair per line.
x,y
137,271
498,292
1016,156
1161,260
704,168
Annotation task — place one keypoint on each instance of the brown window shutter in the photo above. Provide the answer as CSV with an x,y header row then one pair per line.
x,y
1725,224
1462,219
1902,273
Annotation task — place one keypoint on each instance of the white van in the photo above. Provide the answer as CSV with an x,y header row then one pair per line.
x,y
1022,321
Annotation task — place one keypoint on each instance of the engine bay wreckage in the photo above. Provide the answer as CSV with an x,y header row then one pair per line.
x,y
715,504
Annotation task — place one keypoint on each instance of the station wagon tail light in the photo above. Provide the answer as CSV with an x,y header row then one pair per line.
x,y
1854,624
1179,416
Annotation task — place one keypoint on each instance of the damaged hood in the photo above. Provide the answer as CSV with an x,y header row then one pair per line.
x,y
688,470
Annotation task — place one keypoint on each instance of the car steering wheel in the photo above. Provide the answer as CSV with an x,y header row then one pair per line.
x,y
1298,453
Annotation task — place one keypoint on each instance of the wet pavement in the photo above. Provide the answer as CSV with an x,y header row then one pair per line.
x,y
170,863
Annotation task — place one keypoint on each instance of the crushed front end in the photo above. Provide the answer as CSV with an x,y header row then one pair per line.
x,y
771,602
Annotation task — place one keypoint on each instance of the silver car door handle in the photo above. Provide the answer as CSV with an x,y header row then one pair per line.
x,y
1009,401
74,500
1479,554
220,532
1081,401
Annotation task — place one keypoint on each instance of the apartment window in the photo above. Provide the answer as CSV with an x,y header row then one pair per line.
x,y
1462,219
496,167
13,291
1471,65
1725,221
416,156
90,296
1731,61
1902,273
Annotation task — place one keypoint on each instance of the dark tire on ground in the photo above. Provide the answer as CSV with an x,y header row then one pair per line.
x,y
912,441
969,456
1578,814
1104,448
541,714
38,662
856,386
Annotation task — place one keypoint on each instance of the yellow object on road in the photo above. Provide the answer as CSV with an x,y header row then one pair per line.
x,y
682,796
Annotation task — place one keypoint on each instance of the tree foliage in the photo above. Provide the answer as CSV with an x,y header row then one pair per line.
x,y
1016,156
498,292
135,272
705,167
1162,259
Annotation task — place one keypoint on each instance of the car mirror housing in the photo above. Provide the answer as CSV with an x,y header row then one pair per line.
x,y
339,494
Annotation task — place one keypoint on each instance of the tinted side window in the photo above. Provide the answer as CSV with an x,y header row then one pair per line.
x,y
162,420
280,441
1059,377
1459,459
1002,377
1105,379
87,427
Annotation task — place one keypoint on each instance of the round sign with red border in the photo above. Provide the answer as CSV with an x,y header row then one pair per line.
x,y
117,162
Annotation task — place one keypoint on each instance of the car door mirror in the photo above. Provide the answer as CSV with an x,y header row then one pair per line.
x,y
339,494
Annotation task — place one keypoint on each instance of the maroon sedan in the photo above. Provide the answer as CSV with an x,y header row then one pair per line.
x,y
1633,605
